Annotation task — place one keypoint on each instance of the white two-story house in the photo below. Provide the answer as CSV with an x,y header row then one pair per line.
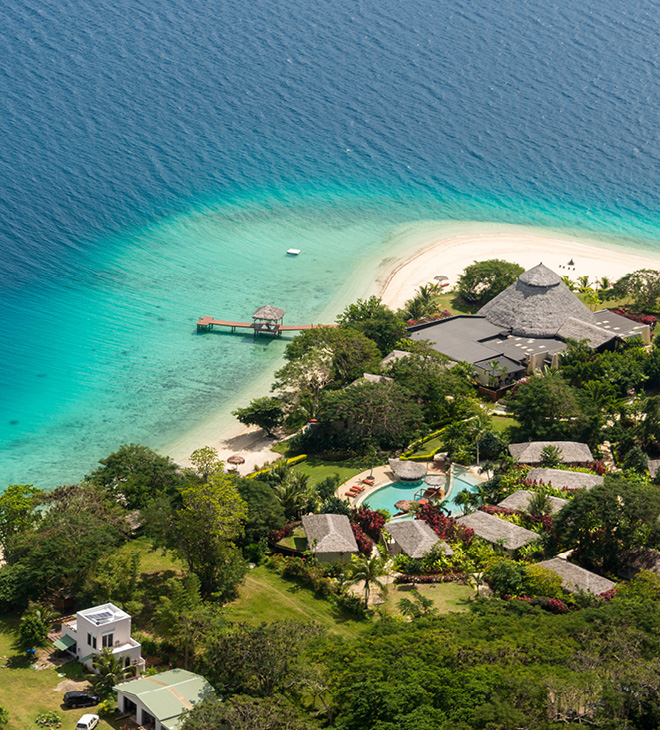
x,y
90,631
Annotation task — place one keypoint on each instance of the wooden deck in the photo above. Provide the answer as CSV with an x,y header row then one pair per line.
x,y
206,324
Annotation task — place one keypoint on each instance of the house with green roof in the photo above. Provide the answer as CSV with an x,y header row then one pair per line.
x,y
160,700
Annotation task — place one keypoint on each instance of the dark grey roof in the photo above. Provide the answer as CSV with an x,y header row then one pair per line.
x,y
518,348
415,537
537,305
619,325
576,329
329,534
493,529
529,452
269,312
520,501
576,579
460,337
408,470
562,479
505,363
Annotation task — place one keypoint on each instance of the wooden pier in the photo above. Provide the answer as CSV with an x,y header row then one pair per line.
x,y
266,320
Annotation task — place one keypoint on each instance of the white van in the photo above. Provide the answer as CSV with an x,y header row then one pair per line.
x,y
87,722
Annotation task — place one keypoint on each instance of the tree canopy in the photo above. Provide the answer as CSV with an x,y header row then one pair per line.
x,y
375,320
484,280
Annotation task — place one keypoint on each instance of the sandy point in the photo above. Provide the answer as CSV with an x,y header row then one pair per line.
x,y
446,249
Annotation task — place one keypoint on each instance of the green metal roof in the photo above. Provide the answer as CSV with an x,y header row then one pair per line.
x,y
167,695
66,642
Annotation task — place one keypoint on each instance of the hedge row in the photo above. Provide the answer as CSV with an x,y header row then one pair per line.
x,y
290,462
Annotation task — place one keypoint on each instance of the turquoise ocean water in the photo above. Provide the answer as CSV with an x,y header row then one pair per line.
x,y
158,159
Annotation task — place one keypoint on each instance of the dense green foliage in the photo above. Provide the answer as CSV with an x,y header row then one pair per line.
x,y
376,321
266,413
484,280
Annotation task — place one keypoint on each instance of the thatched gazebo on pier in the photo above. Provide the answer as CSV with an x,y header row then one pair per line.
x,y
268,319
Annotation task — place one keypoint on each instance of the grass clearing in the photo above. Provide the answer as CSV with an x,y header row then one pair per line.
x,y
446,597
151,561
318,469
26,693
265,596
502,423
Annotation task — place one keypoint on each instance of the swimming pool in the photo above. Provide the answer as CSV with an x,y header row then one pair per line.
x,y
386,497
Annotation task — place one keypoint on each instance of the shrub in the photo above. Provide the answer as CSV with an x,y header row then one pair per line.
x,y
556,605
351,603
365,546
445,527
370,521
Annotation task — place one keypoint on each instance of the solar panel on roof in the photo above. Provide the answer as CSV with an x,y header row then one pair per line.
x,y
100,616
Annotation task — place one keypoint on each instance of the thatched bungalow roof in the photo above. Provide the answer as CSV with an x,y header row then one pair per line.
x,y
329,534
492,529
409,471
576,579
563,479
269,312
415,538
576,329
537,305
394,356
654,465
436,480
571,452
520,501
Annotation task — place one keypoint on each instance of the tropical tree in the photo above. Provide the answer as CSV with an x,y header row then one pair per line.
x,y
569,283
17,511
108,672
484,280
643,286
292,494
242,712
468,501
539,504
369,571
32,632
206,462
375,320
550,457
266,413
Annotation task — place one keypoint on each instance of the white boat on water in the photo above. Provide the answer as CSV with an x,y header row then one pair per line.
x,y
294,251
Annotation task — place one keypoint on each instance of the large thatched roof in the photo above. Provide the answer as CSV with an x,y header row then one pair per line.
x,y
407,470
269,312
577,329
329,534
563,479
537,305
415,538
492,529
576,579
520,501
571,452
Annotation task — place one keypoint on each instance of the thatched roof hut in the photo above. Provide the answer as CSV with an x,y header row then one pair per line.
x,y
520,501
563,479
493,529
414,538
370,378
270,313
394,356
436,480
576,579
537,305
571,452
654,465
408,471
329,537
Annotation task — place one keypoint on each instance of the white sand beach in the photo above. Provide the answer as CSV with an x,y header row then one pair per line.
x,y
446,249
414,254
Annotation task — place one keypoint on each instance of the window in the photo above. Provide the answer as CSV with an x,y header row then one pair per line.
x,y
93,642
107,639
89,639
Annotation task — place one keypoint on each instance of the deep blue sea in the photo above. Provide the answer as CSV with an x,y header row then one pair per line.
x,y
158,158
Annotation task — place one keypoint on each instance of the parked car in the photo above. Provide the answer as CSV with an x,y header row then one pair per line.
x,y
87,722
81,699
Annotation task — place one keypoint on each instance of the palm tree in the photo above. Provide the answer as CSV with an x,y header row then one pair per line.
x,y
570,284
539,504
369,570
604,283
468,501
583,281
292,494
46,614
109,672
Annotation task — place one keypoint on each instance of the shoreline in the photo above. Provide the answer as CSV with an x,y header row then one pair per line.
x,y
412,256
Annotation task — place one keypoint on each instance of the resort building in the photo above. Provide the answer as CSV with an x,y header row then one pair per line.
x,y
330,537
524,329
531,452
92,630
497,531
576,579
519,501
159,701
564,479
413,538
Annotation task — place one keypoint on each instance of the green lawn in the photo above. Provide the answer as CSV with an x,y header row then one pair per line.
x,y
265,596
25,692
296,540
151,561
318,469
446,597
501,423
428,446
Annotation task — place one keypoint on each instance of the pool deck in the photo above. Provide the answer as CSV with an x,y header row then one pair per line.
x,y
384,476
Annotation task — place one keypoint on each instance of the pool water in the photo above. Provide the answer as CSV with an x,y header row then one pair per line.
x,y
386,497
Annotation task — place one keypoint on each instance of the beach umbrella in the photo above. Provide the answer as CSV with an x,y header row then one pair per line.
x,y
441,278
236,460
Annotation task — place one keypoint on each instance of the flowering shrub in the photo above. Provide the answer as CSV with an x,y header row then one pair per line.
x,y
492,509
305,571
607,596
278,535
436,578
445,527
641,318
597,467
371,522
555,605
365,546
